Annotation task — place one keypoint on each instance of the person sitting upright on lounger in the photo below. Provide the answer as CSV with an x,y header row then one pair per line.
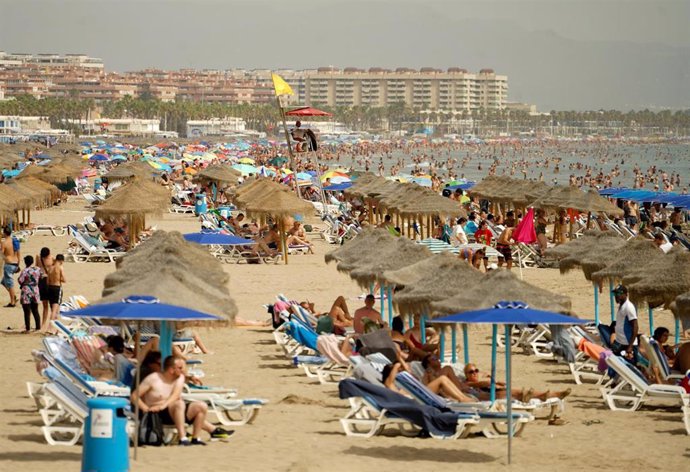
x,y
367,312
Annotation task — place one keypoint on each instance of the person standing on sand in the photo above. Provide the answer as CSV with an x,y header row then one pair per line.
x,y
56,278
11,255
503,245
44,261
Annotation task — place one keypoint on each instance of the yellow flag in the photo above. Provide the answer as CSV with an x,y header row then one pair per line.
x,y
281,87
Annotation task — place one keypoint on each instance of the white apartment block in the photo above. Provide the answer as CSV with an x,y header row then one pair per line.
x,y
215,126
51,60
453,90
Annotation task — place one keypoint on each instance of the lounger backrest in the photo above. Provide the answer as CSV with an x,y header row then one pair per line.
x,y
605,335
418,390
365,371
629,372
660,358
72,392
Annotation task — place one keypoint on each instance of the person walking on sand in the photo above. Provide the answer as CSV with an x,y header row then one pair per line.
x,y
11,255
56,278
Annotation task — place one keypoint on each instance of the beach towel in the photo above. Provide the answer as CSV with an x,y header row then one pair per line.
x,y
441,422
329,346
378,341
593,351
302,335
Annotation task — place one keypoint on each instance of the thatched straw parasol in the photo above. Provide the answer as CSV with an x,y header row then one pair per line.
x,y
134,201
363,254
220,174
583,248
172,249
13,199
369,236
176,287
635,252
396,255
255,189
681,308
175,271
502,285
412,273
130,170
447,279
660,280
279,203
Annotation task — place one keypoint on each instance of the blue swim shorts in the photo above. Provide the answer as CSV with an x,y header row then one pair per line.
x,y
8,275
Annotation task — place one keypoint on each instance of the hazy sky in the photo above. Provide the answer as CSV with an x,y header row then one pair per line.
x,y
559,54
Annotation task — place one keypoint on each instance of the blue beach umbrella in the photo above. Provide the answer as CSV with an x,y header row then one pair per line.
x,y
508,314
245,169
98,158
145,308
220,239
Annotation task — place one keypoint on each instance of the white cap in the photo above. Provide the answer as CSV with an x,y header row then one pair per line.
x,y
492,266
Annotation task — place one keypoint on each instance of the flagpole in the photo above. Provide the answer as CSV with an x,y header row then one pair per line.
x,y
289,145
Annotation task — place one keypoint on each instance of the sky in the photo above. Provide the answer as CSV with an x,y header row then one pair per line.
x,y
557,54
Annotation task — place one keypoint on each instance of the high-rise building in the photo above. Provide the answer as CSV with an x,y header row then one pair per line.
x,y
434,89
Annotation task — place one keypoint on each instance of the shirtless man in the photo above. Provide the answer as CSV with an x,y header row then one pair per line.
x,y
676,219
367,311
503,245
11,258
161,392
56,277
270,243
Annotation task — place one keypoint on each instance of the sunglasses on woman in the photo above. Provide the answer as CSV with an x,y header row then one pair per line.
x,y
473,371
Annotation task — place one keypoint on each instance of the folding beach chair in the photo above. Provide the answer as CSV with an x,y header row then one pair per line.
x,y
658,359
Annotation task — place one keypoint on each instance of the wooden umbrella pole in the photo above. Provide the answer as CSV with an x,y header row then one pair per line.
x,y
283,242
571,216
589,218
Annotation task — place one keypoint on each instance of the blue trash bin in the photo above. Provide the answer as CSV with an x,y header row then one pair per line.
x,y
106,445
200,206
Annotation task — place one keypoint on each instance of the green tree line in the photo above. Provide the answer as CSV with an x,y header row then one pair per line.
x,y
174,115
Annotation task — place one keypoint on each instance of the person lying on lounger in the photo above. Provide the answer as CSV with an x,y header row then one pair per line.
x,y
440,385
482,388
339,312
297,237
407,349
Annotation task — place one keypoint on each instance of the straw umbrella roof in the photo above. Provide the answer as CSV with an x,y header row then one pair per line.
x,y
352,248
402,252
572,197
635,252
38,197
433,205
447,279
662,279
13,199
136,198
176,272
593,247
410,274
255,189
176,287
681,306
279,203
576,245
369,185
219,173
128,170
363,254
169,249
501,285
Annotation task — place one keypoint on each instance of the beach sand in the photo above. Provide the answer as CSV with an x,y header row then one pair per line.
x,y
299,430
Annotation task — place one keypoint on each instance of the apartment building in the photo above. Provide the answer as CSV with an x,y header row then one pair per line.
x,y
454,89
51,60
215,126
79,76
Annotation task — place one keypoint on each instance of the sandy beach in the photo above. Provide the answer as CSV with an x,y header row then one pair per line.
x,y
299,430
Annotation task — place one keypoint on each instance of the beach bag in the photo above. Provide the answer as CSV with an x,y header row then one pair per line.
x,y
16,245
151,430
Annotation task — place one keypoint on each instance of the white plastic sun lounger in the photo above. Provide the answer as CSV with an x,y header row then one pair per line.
x,y
629,389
